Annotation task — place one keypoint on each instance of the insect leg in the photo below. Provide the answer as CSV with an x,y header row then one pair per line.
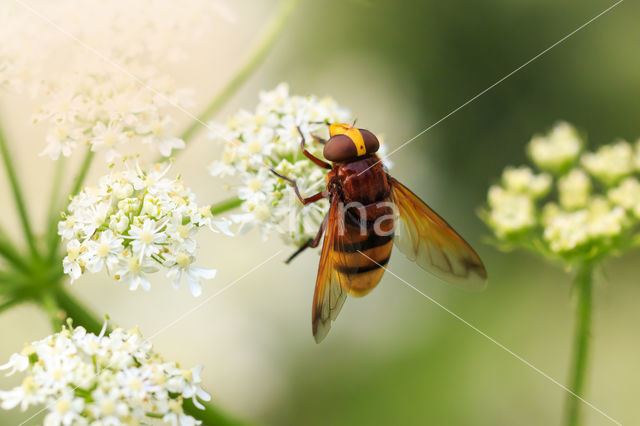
x,y
311,242
307,200
310,156
319,139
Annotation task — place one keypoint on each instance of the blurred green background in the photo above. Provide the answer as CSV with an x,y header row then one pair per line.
x,y
395,357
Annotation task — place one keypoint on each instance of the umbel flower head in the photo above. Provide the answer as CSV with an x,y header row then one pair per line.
x,y
255,142
579,207
115,379
101,80
136,222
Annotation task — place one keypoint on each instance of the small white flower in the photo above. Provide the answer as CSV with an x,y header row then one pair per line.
x,y
112,379
574,189
556,150
523,180
627,195
67,410
183,267
17,362
104,252
610,163
108,138
60,141
146,239
134,271
73,263
510,213
157,133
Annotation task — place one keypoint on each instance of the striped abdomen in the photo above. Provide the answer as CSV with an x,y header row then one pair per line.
x,y
364,250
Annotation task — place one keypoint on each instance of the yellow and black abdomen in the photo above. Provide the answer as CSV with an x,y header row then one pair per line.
x,y
365,247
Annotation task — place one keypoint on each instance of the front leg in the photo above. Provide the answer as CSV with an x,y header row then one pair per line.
x,y
319,139
312,199
310,156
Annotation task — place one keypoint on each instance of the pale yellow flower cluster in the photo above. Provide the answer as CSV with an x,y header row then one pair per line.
x,y
580,204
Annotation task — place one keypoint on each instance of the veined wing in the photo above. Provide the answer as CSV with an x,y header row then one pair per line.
x,y
426,238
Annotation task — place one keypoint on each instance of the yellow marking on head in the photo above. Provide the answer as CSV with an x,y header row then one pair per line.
x,y
352,132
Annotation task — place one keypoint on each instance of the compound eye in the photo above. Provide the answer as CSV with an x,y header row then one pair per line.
x,y
340,148
371,142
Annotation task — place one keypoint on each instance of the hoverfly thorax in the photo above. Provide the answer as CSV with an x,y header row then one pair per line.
x,y
347,142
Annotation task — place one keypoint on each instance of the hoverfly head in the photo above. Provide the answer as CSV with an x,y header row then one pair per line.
x,y
347,142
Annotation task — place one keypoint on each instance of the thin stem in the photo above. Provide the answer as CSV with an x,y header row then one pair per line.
x,y
210,416
82,173
258,54
17,193
154,415
50,306
9,252
226,205
12,281
77,185
54,204
582,332
78,312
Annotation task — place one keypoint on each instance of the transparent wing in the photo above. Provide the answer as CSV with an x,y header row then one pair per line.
x,y
329,295
427,239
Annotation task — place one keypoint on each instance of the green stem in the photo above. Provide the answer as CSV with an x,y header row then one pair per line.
x,y
77,185
582,332
17,193
54,205
79,313
82,173
210,416
226,205
154,415
9,252
258,54
50,306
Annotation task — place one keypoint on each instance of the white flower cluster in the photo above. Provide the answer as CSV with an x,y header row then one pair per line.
x,y
598,198
114,379
98,69
133,223
268,138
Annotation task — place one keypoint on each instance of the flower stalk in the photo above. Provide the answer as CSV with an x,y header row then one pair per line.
x,y
82,172
226,205
255,58
9,252
582,333
17,193
50,306
54,205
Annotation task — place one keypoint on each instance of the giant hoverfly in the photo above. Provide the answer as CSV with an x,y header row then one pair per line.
x,y
369,210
